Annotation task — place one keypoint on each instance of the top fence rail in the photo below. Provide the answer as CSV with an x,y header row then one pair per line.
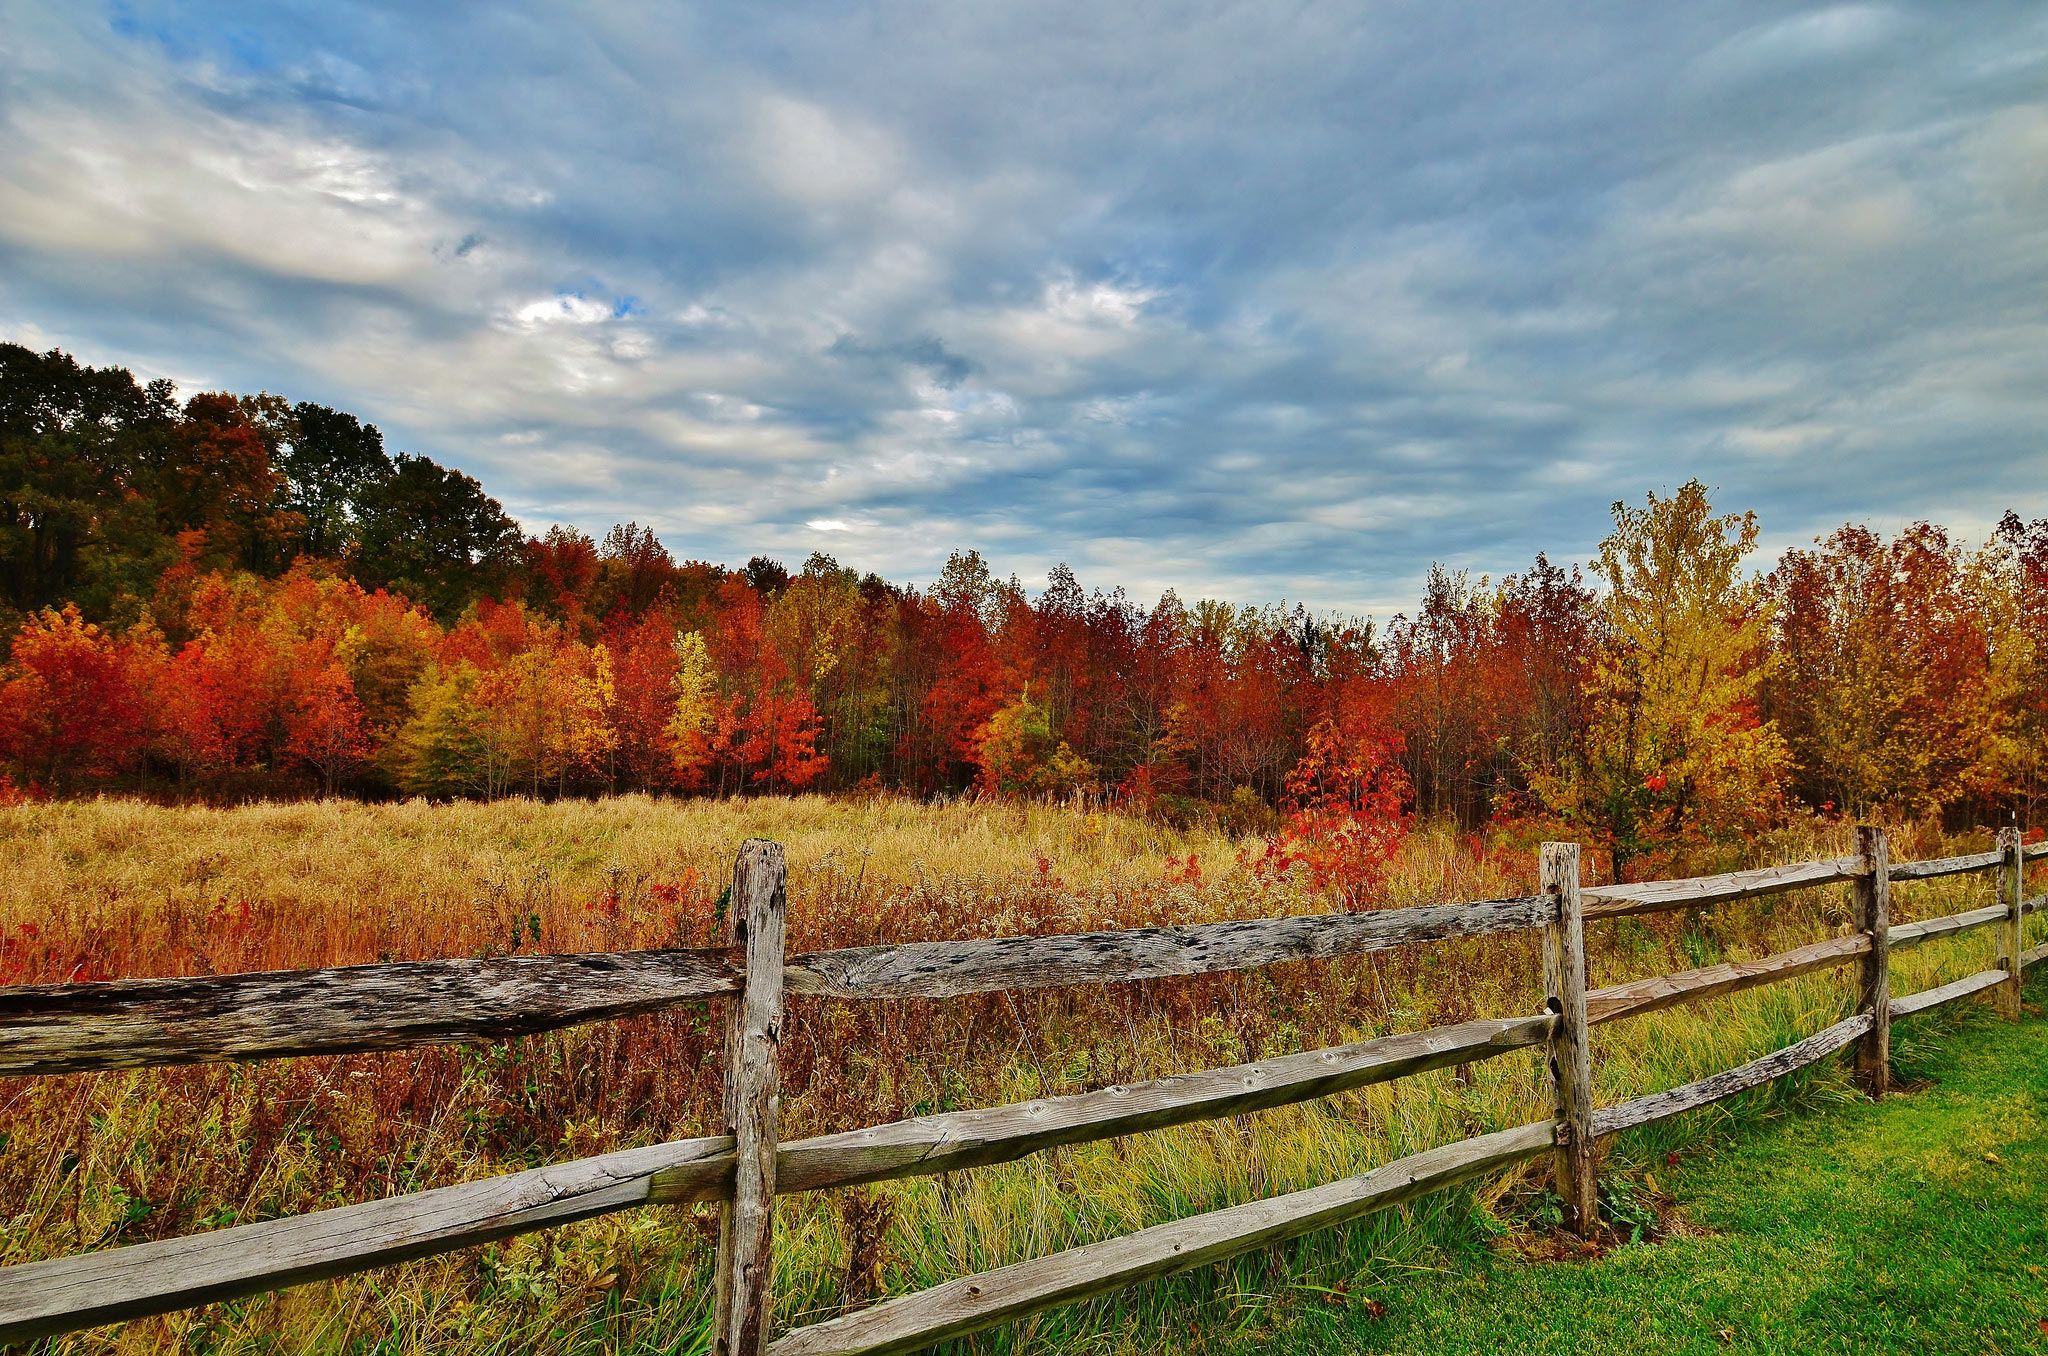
x,y
146,1023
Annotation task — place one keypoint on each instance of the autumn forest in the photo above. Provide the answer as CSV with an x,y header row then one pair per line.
x,y
241,596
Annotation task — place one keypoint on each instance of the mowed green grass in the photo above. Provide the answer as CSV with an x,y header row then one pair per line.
x,y
1919,1224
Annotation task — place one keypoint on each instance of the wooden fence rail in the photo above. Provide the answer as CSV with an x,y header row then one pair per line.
x,y
140,1023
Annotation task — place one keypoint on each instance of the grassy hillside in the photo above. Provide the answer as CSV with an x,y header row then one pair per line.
x,y
118,888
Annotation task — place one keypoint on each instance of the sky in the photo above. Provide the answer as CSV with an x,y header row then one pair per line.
x,y
1253,301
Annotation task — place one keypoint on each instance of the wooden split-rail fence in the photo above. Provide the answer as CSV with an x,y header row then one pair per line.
x,y
68,1028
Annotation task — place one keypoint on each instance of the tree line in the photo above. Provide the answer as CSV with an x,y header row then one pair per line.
x,y
241,595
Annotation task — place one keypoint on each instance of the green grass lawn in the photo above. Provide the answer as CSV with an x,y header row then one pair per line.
x,y
1915,1224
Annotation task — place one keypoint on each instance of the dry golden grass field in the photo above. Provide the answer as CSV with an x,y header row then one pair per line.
x,y
118,888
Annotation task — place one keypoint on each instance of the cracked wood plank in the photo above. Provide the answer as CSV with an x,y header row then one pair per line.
x,y
949,969
143,1023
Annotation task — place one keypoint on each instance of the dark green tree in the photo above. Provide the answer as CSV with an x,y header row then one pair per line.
x,y
432,534
75,485
329,460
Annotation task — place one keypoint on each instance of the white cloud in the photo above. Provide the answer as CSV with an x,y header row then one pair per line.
x,y
565,309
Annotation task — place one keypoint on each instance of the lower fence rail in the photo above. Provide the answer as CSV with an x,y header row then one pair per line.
x,y
956,1308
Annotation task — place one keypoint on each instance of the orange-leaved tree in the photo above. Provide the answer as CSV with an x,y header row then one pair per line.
x,y
66,704
1345,801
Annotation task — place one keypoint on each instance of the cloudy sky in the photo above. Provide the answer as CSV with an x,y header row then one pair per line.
x,y
1258,301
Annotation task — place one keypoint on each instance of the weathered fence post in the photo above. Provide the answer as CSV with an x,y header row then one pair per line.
x,y
1571,1056
2011,889
1873,916
753,1030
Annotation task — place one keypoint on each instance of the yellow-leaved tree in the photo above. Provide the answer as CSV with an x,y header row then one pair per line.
x,y
1676,756
692,717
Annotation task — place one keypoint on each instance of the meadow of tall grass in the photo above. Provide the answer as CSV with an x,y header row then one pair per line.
x,y
122,888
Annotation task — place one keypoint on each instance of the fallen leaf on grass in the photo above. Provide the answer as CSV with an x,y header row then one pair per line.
x,y
1377,1310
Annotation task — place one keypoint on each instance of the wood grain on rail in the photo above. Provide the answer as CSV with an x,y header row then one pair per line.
x,y
140,1023
1948,925
1614,901
949,969
1661,1105
1663,991
1946,993
1944,866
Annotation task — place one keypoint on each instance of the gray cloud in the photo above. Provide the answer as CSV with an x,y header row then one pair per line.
x,y
1285,301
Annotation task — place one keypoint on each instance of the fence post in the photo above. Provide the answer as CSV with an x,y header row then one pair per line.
x,y
753,1030
1873,916
1571,1056
2011,889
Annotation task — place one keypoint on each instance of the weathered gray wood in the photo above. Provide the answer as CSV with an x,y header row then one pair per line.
x,y
976,1138
2033,905
1661,1105
76,1028
138,1023
2036,954
1948,925
1944,866
1946,993
69,1293
1614,901
744,1306
949,969
1873,895
2011,949
1571,1055
973,1303
1662,991
2030,851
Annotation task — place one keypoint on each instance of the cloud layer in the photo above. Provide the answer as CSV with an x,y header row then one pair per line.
x,y
1280,301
